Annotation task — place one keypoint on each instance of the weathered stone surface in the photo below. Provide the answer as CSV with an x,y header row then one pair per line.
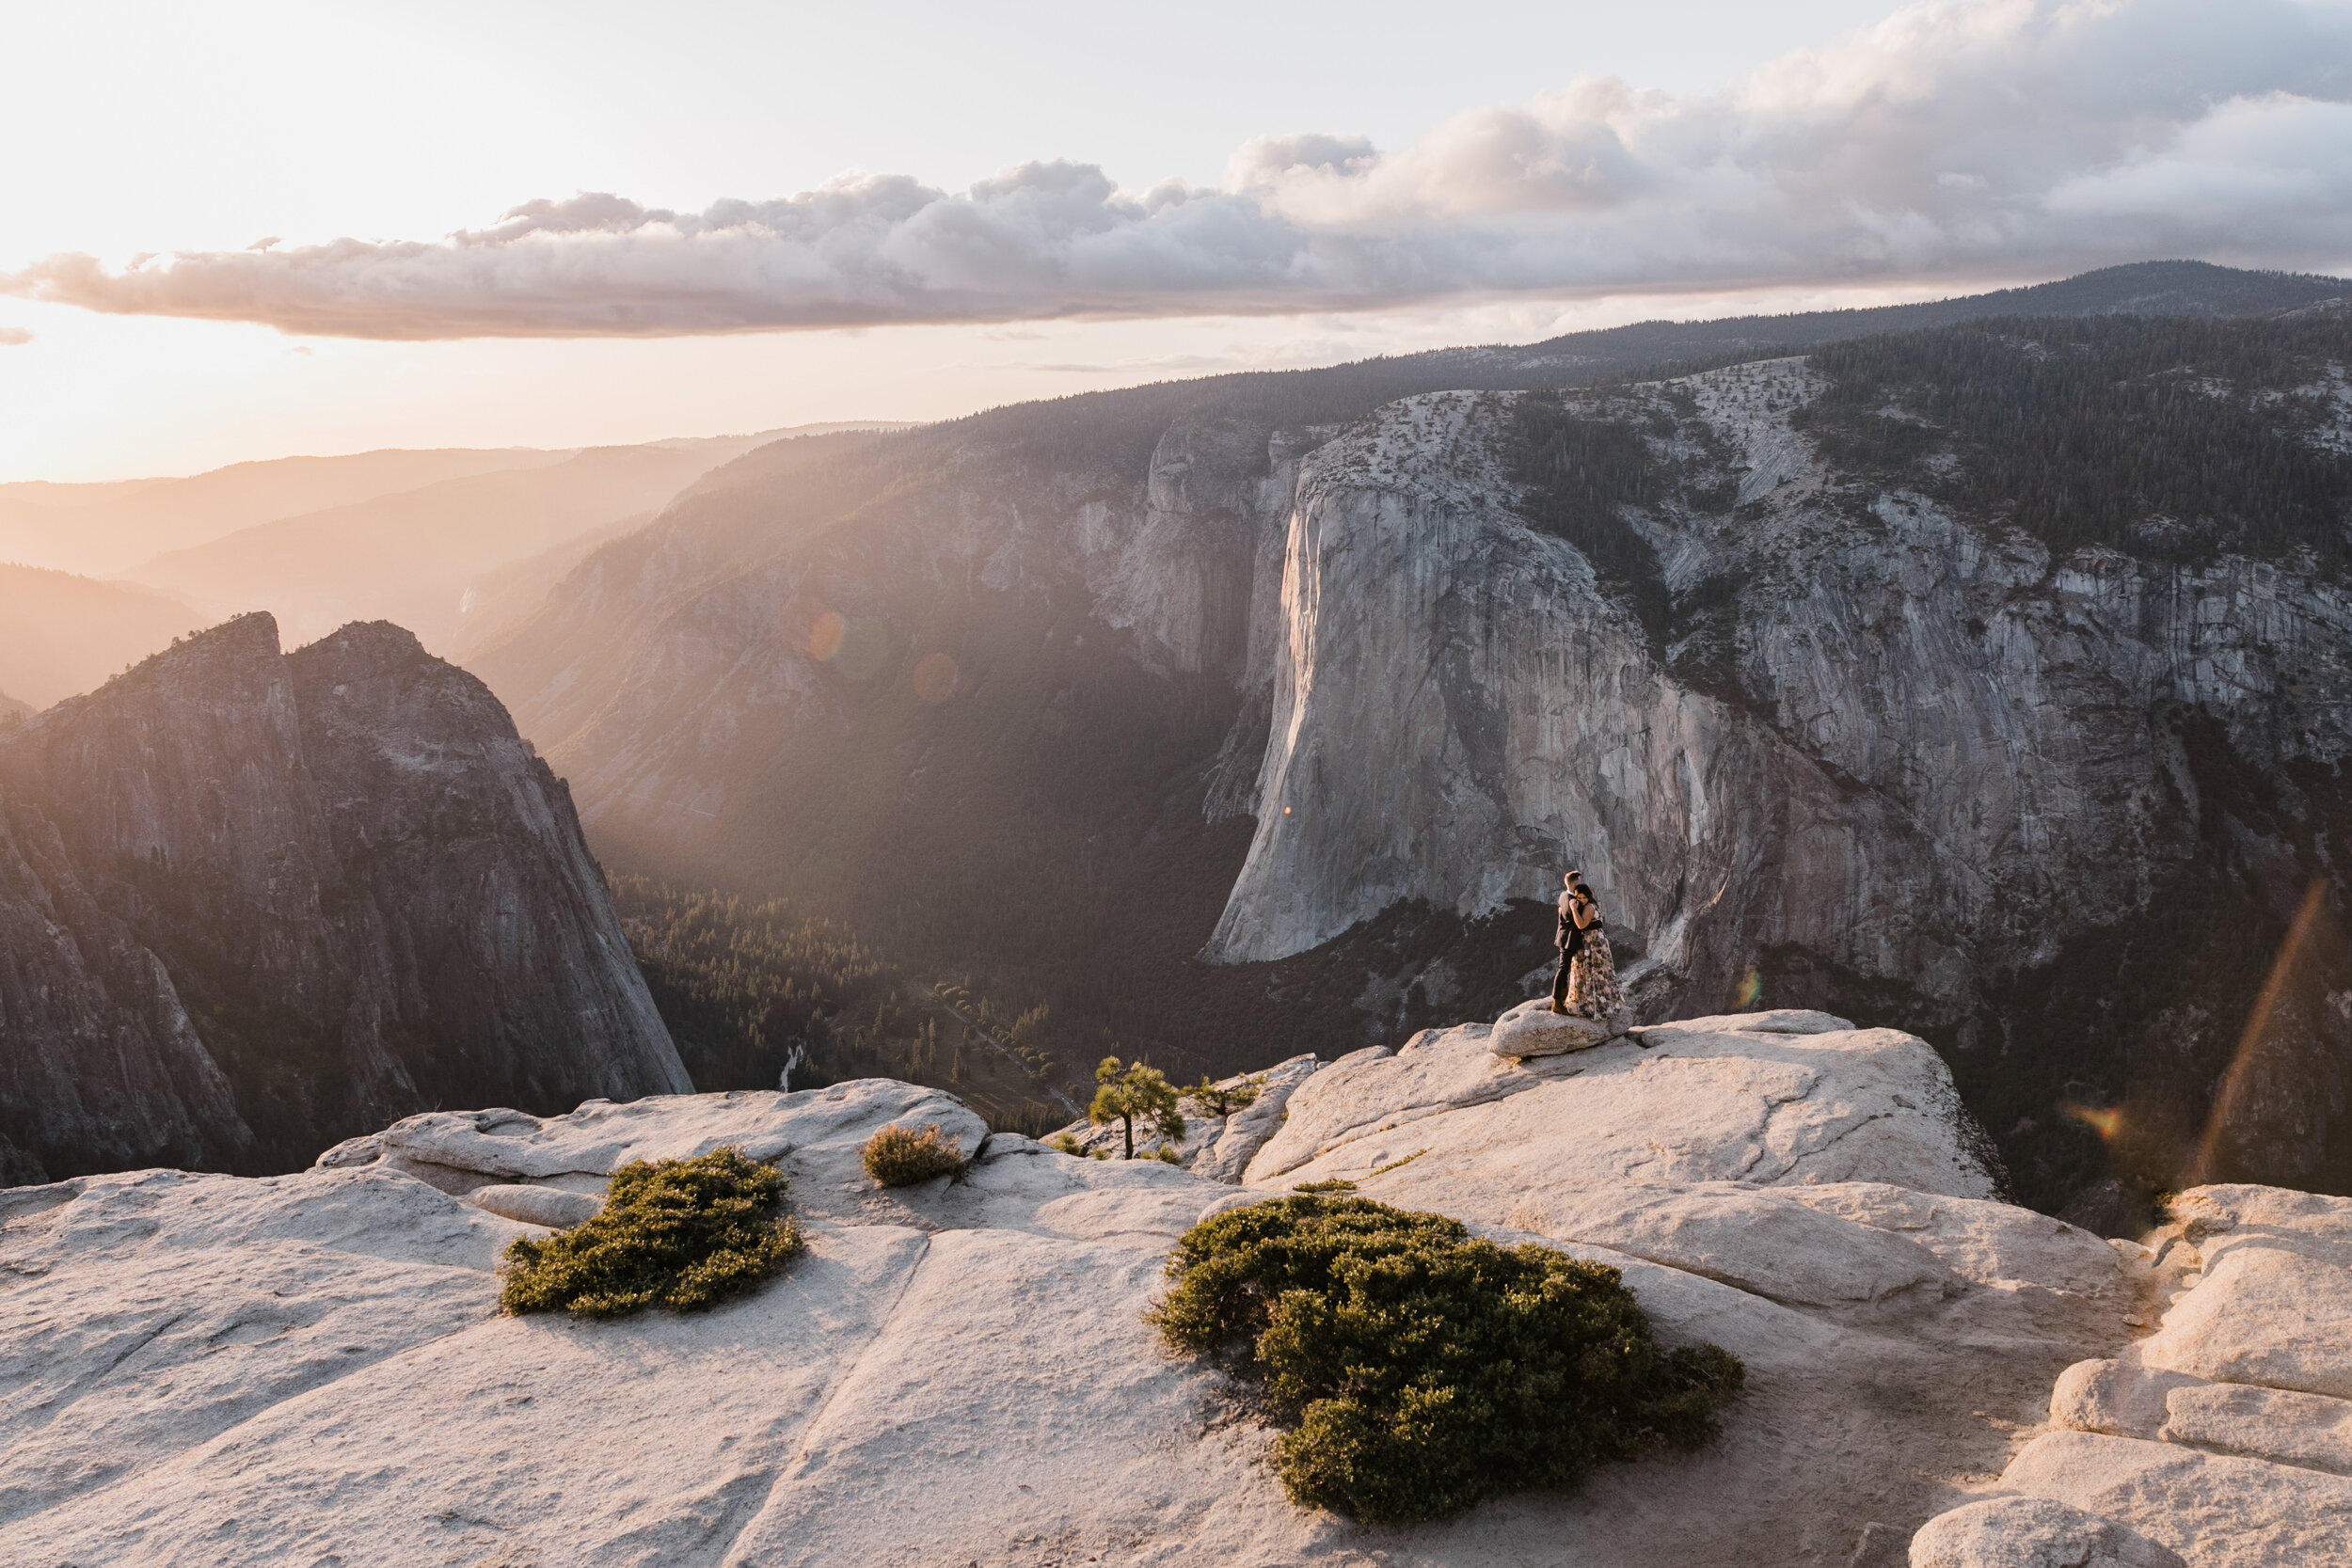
x,y
1752,1239
2308,1429
2198,1436
2113,1398
1246,1131
2122,1398
1993,1244
2034,1532
954,1373
2263,1315
1217,1146
343,861
2215,1511
2218,1219
552,1206
1533,1029
1707,1101
145,1314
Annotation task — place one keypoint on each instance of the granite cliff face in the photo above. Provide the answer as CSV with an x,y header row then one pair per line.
x,y
255,902
1323,684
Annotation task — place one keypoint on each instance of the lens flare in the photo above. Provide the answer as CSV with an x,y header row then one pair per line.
x,y
1751,990
2233,1082
2104,1123
824,637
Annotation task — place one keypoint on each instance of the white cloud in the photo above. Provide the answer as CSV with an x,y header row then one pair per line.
x,y
1960,139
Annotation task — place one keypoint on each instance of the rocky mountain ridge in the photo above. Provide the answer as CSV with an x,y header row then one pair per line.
x,y
253,901
216,1369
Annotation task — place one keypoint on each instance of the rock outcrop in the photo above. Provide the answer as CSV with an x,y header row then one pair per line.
x,y
251,903
208,1369
2224,1435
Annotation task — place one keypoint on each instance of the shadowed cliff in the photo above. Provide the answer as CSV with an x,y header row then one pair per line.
x,y
252,902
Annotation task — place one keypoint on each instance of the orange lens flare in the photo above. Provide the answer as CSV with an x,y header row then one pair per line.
x,y
1751,989
824,637
2104,1123
2233,1082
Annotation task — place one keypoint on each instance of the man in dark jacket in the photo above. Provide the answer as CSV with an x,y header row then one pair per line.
x,y
1568,939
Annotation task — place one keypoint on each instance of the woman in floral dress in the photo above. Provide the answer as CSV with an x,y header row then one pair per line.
x,y
1593,989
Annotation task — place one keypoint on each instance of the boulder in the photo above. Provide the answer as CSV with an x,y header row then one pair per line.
x,y
2033,1532
552,1206
2223,1434
1240,1135
1533,1029
1993,1244
2308,1429
1705,1100
2217,1511
2124,1399
2263,1315
2113,1398
462,1150
1752,1239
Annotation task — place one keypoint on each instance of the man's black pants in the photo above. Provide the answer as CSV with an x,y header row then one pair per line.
x,y
1560,981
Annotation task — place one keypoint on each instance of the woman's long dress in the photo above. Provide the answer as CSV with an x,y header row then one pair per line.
x,y
1593,989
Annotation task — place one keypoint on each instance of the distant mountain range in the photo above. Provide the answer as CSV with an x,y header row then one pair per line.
x,y
105,529
411,557
444,543
60,634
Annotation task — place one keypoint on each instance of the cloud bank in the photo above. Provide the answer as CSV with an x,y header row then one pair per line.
x,y
14,337
1966,139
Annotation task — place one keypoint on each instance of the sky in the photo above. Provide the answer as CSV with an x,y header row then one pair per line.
x,y
248,231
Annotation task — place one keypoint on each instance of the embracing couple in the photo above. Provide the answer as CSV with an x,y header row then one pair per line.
x,y
1587,985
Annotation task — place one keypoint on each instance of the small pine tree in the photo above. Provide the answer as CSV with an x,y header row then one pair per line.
x,y
1129,1092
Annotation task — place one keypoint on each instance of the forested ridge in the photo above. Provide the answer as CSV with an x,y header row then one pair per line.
x,y
2170,437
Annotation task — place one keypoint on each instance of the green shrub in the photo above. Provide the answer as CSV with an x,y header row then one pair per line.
x,y
1131,1093
900,1157
1419,1370
1224,1101
684,1234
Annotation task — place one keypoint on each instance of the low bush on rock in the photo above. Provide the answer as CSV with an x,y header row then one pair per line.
x,y
684,1234
900,1157
1418,1369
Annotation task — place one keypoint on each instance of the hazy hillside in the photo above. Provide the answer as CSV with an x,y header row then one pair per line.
x,y
1925,682
411,558
62,634
105,529
11,708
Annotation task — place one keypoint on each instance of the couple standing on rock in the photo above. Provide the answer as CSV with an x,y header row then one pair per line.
x,y
1586,986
